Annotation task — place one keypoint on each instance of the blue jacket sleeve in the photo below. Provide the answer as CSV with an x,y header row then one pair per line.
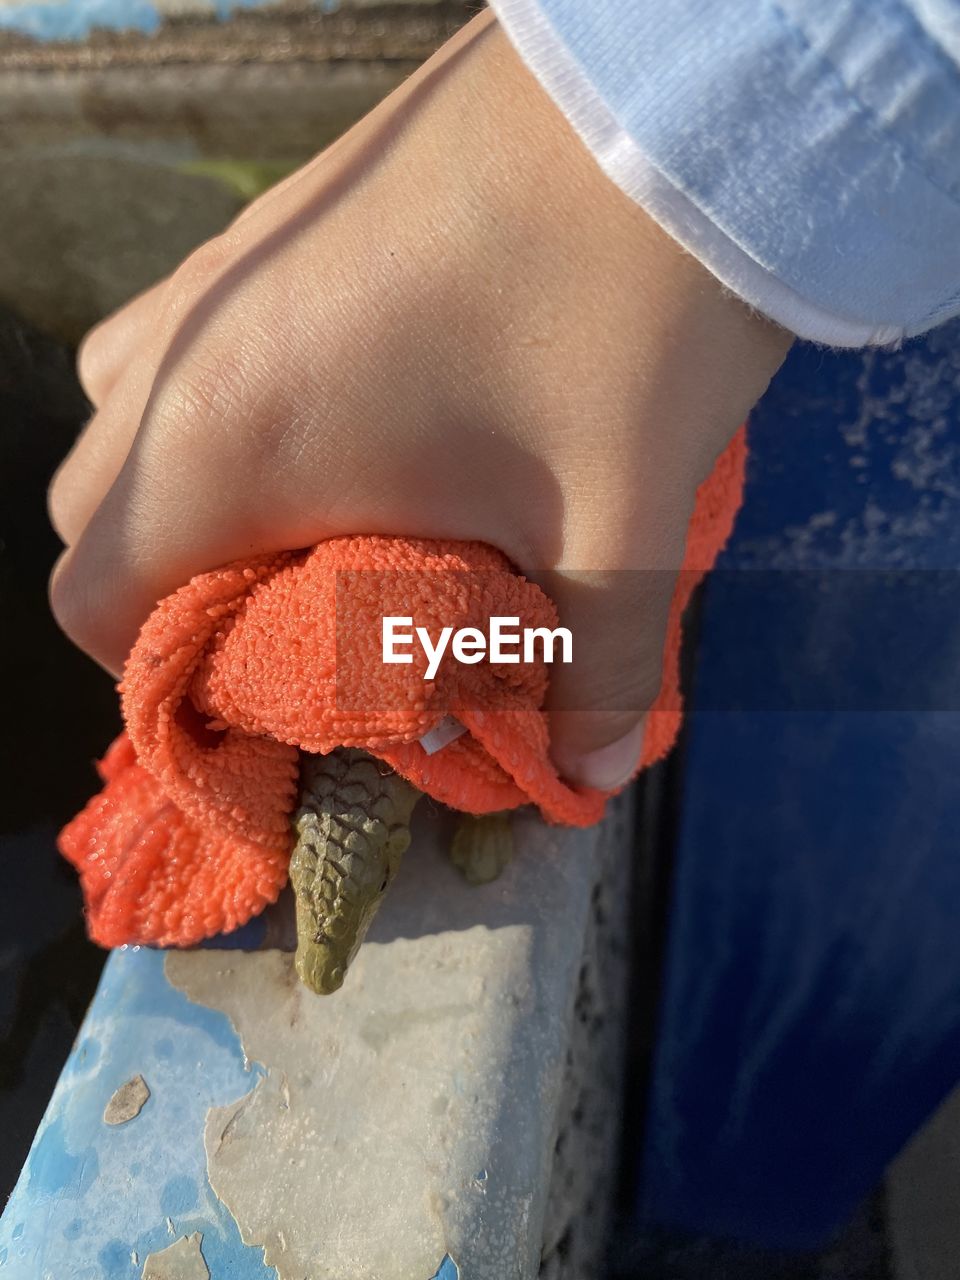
x,y
806,151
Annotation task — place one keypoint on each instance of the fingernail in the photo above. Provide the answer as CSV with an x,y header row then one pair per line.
x,y
611,766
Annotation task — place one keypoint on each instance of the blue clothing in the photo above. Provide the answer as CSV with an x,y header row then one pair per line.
x,y
806,151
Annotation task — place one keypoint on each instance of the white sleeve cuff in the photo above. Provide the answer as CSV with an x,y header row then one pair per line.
x,y
797,290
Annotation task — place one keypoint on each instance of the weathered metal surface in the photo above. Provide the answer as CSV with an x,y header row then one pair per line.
x,y
95,1200
182,1260
451,1111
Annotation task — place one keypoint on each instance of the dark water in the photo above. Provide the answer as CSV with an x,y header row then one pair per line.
x,y
58,712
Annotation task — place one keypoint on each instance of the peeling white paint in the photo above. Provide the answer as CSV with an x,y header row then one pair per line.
x,y
358,1151
180,1261
127,1102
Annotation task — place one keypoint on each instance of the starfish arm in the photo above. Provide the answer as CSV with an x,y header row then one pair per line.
x,y
352,829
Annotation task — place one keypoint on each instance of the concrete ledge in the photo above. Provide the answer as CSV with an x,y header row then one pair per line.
x,y
452,1111
923,1193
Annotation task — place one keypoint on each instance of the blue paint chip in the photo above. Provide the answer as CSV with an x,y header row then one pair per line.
x,y
114,1258
448,1270
88,1051
56,1173
178,1197
151,995
132,1178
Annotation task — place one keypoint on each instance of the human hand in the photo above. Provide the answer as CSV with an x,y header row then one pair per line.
x,y
450,324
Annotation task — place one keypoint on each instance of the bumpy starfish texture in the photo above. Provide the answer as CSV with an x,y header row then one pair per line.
x,y
482,846
352,830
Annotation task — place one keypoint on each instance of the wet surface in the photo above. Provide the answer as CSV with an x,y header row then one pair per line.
x,y
58,713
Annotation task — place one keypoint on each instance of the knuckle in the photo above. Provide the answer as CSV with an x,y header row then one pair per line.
x,y
200,268
59,506
84,597
93,361
71,604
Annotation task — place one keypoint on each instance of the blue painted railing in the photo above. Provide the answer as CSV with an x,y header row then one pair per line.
x,y
94,1200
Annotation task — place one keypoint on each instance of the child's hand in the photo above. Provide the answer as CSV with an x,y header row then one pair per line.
x,y
450,324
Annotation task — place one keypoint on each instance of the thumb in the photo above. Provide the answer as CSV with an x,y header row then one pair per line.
x,y
597,702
